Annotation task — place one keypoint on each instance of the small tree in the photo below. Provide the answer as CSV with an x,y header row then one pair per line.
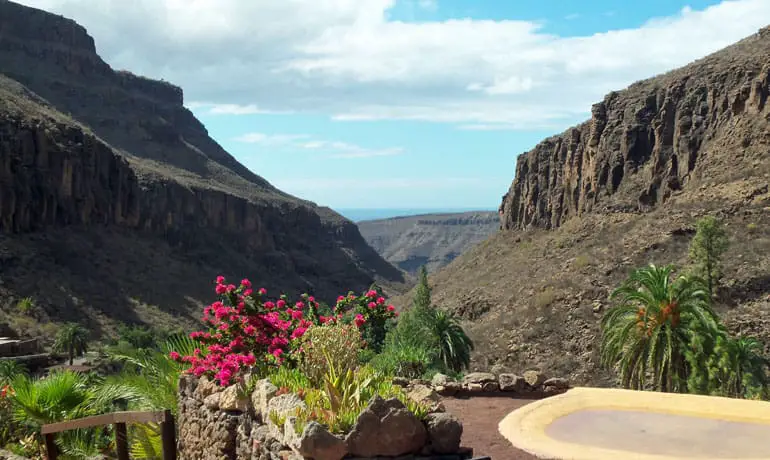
x,y
422,292
706,250
73,340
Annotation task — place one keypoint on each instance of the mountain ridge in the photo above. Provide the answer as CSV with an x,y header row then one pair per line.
x,y
617,192
433,240
101,170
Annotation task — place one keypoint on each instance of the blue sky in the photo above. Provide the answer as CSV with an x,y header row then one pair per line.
x,y
401,103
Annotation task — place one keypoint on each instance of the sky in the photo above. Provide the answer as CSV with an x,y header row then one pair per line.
x,y
400,103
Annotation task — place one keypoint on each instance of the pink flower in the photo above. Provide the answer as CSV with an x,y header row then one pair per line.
x,y
371,305
277,352
359,320
299,332
262,291
296,314
174,355
231,288
281,303
340,298
220,289
220,279
246,283
391,308
300,304
371,294
380,300
248,292
269,305
311,299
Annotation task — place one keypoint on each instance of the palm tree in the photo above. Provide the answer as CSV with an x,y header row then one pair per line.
x,y
9,370
72,339
739,367
652,326
454,345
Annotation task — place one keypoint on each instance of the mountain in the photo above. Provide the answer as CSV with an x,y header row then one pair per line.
x,y
433,240
617,192
116,204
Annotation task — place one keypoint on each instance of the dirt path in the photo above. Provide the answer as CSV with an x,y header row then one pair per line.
x,y
480,417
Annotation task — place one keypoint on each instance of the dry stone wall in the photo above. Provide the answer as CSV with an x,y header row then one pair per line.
x,y
232,423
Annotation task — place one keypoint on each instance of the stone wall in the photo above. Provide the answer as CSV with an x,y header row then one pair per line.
x,y
232,423
530,385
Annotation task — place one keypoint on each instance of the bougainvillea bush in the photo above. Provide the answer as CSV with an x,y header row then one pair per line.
x,y
248,331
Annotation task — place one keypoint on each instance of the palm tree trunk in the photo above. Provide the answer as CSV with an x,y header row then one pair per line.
x,y
72,355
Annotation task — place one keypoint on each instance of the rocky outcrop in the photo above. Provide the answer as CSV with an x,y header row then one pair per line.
x,y
433,240
84,148
262,427
646,143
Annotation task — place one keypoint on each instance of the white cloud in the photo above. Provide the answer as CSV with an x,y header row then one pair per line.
x,y
345,58
231,109
335,149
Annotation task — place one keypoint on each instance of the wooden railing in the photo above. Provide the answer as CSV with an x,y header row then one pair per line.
x,y
119,420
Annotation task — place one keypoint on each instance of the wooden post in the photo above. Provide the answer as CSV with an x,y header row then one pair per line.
x,y
168,435
51,451
121,441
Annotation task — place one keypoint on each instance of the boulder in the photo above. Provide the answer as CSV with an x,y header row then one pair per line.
x,y
234,398
479,378
490,387
386,428
285,405
440,380
205,387
534,378
444,433
264,390
425,395
212,401
317,443
474,387
400,381
512,382
557,383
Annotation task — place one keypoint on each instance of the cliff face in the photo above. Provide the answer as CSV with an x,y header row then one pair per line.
x,y
645,143
433,240
87,150
618,192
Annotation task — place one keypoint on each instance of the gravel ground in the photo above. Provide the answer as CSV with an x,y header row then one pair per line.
x,y
480,417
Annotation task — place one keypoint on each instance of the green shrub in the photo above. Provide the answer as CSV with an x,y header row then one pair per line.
x,y
25,305
291,379
340,343
403,360
544,298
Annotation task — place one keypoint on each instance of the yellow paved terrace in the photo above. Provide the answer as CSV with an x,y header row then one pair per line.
x,y
598,424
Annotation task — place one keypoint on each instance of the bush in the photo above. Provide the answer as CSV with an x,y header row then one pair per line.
x,y
339,343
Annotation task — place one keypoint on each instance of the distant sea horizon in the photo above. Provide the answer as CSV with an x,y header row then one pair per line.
x,y
360,214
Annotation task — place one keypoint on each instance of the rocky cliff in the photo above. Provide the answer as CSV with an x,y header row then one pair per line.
x,y
620,191
644,144
433,240
100,168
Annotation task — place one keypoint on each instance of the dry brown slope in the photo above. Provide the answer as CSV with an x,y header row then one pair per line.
x,y
529,295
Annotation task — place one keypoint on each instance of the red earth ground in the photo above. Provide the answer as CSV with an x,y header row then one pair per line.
x,y
480,417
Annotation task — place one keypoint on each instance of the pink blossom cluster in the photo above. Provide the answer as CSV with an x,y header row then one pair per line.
x,y
246,330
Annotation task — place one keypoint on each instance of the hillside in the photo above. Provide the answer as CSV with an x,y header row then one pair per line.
x,y
433,240
617,192
116,205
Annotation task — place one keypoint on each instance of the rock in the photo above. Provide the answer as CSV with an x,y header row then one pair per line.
x,y
234,398
444,433
8,455
557,382
285,405
205,387
386,428
490,387
534,378
264,390
474,387
400,381
212,401
317,443
512,382
425,395
479,377
440,380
